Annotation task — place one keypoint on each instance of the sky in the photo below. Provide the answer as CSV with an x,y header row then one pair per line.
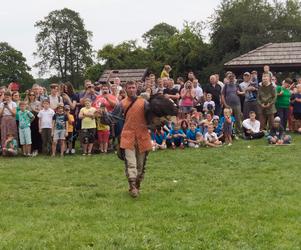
x,y
111,21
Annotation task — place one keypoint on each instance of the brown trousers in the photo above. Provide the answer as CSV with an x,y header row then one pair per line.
x,y
135,164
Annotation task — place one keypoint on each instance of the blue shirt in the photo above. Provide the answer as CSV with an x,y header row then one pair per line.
x,y
159,137
177,132
191,135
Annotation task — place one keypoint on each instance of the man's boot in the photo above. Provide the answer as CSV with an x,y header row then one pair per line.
x,y
138,183
134,192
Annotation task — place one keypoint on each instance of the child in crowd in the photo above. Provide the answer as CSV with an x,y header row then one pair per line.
x,y
227,126
177,137
218,126
168,126
196,116
59,129
45,125
211,138
103,131
194,136
296,102
88,126
208,121
159,138
277,135
209,104
251,127
25,119
10,147
69,138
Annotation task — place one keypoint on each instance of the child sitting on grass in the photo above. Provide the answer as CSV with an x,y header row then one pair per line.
x,y
59,129
177,137
10,147
277,135
159,138
211,138
194,136
208,121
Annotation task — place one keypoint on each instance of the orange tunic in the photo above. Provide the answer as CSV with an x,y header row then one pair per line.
x,y
135,131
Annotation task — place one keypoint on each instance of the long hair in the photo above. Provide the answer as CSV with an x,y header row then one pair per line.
x,y
70,89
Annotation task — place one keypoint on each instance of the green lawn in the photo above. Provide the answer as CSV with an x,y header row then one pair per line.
x,y
235,197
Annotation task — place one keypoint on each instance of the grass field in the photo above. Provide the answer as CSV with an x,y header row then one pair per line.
x,y
235,197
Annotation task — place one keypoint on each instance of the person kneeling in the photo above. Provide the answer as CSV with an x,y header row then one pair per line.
x,y
177,137
251,127
10,147
211,138
277,135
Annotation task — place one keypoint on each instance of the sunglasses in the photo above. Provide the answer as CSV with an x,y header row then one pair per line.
x,y
32,95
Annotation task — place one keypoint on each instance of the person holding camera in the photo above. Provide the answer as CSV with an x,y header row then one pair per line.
x,y
106,98
187,98
88,93
8,115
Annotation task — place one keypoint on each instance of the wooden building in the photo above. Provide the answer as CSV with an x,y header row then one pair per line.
x,y
281,57
124,75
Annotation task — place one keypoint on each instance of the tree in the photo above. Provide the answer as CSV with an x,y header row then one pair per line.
x,y
239,26
94,72
159,32
13,67
63,45
184,50
125,55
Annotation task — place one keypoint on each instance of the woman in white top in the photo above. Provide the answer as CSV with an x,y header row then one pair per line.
x,y
8,115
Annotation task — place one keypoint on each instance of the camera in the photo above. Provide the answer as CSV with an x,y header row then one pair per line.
x,y
5,103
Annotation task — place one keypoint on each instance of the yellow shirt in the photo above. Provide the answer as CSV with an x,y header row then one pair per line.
x,y
70,123
88,122
164,74
101,127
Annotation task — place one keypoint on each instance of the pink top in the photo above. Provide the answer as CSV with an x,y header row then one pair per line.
x,y
187,97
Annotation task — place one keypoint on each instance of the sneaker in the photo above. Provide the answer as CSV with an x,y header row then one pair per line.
x,y
196,146
67,151
73,151
83,154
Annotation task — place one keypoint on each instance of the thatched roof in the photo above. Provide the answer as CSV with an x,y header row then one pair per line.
x,y
124,75
277,55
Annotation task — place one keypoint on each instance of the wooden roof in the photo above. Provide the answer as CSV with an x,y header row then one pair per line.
x,y
277,55
124,75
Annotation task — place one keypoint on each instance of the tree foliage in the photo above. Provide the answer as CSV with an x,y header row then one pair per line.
x,y
184,50
161,31
239,26
13,67
63,44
